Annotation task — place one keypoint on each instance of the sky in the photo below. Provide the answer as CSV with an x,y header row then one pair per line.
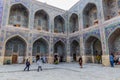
x,y
62,4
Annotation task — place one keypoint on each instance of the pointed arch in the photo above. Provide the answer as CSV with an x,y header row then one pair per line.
x,y
93,48
74,49
19,16
74,25
40,47
16,48
59,48
41,20
113,42
109,9
90,15
59,24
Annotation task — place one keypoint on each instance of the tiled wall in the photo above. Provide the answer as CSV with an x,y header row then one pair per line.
x,y
1,11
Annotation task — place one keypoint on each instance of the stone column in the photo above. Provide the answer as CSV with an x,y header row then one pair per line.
x,y
2,34
29,48
2,46
105,49
68,50
51,53
6,12
82,49
101,12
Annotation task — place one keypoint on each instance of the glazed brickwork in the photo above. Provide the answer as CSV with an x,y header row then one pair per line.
x,y
101,29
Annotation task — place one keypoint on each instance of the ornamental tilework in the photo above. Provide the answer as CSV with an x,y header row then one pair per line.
x,y
95,33
1,11
38,36
77,38
24,2
110,29
56,39
11,33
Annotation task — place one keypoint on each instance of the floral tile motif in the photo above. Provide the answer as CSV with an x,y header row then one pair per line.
x,y
95,33
77,38
110,29
56,39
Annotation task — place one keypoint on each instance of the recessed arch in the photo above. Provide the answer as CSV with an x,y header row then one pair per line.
x,y
90,15
113,42
41,20
15,47
73,23
74,50
59,48
110,9
59,24
40,47
93,48
19,16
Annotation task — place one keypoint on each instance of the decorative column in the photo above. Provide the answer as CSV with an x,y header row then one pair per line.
x,y
101,12
29,48
2,33
105,55
51,53
82,49
68,50
6,12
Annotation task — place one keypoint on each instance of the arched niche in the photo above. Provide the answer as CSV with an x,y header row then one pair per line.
x,y
19,16
16,48
73,23
90,15
59,49
41,20
59,24
110,9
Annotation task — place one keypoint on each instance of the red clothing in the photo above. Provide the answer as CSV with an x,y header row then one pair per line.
x,y
80,61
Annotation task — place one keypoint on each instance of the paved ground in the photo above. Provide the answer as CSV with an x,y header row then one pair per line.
x,y
66,71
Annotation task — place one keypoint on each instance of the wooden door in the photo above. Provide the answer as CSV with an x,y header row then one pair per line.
x,y
14,59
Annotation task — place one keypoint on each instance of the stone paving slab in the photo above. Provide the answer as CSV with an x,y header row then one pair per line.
x,y
64,71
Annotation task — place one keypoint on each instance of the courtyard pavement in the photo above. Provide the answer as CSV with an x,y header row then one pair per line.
x,y
63,71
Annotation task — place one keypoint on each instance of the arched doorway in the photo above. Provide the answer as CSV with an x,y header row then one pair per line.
x,y
90,15
15,50
19,16
74,23
74,50
93,50
41,21
59,48
40,48
114,42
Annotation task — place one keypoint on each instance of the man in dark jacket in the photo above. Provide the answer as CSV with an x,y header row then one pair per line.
x,y
27,65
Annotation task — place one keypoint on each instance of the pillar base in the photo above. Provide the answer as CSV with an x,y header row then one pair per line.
x,y
50,59
1,60
105,60
68,59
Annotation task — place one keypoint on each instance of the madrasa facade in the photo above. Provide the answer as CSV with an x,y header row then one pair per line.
x,y
29,29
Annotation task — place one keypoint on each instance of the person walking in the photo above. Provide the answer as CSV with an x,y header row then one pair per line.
x,y
27,65
80,62
39,63
112,60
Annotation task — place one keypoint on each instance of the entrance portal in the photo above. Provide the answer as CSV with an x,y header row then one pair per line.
x,y
74,50
93,50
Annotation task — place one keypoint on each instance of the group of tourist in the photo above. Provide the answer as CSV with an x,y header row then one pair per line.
x,y
114,59
39,61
